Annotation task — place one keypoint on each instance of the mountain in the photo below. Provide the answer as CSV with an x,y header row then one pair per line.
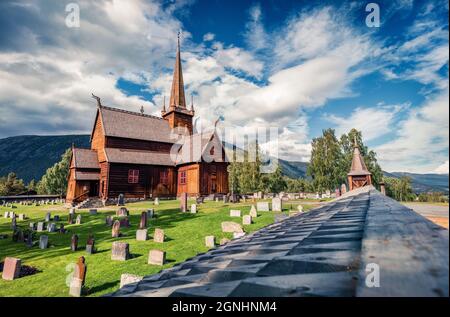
x,y
424,182
29,156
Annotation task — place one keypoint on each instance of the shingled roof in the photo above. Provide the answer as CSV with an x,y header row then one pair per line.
x,y
358,165
114,155
133,125
323,252
85,158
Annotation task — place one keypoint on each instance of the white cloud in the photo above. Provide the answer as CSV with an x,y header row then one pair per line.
x,y
255,34
442,169
208,37
373,122
422,139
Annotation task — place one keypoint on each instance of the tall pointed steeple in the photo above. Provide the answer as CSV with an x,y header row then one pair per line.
x,y
177,98
359,174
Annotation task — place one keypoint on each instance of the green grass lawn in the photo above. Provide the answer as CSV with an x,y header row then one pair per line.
x,y
185,237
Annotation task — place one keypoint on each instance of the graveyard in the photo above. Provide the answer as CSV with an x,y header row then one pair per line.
x,y
47,271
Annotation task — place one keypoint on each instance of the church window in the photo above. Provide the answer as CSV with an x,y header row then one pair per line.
x,y
133,176
183,178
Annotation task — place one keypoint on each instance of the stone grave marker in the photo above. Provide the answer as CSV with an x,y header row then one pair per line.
x,y
210,241
11,268
127,278
78,278
90,245
48,217
72,211
247,220
93,212
32,226
143,221
70,219
262,206
300,208
253,212
121,200
158,236
78,221
156,202
343,189
237,235
156,257
277,204
108,221
115,232
14,223
74,243
193,209
43,242
183,202
120,251
150,213
51,227
235,213
62,229
56,218
229,226
141,235
40,226
6,214
21,216
122,212
124,222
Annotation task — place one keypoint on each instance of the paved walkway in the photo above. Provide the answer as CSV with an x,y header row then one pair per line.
x,y
324,252
437,214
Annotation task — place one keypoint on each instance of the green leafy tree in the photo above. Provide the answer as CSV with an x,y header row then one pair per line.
x,y
54,180
276,182
399,188
11,185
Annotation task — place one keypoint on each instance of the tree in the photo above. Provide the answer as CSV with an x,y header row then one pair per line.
x,y
11,185
399,188
245,177
324,166
55,179
276,181
297,185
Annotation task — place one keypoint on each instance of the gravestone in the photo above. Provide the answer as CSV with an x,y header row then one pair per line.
x,y
224,241
90,245
6,214
56,218
156,202
120,251
247,220
93,212
21,217
71,219
43,242
72,211
48,217
78,278
108,221
143,222
343,189
78,221
300,208
29,239
40,226
210,241
262,206
11,268
12,214
62,229
193,209
124,222
150,213
277,204
121,200
253,212
156,257
32,226
127,278
74,243
235,213
51,227
115,232
225,199
229,226
122,212
14,223
141,235
237,235
158,236
183,202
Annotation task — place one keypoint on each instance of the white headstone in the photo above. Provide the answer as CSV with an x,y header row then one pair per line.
x,y
235,213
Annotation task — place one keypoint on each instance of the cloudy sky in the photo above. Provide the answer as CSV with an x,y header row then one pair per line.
x,y
302,66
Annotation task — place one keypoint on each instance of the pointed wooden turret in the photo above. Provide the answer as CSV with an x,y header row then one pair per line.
x,y
177,114
359,175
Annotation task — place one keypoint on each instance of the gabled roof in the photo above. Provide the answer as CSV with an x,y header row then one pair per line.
x,y
85,158
358,165
127,156
198,146
134,125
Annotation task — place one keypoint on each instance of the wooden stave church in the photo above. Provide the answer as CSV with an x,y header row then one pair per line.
x,y
138,162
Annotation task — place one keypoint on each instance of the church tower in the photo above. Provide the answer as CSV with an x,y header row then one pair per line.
x,y
359,175
177,113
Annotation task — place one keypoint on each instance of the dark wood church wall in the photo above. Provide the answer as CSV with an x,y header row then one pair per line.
x,y
149,181
124,143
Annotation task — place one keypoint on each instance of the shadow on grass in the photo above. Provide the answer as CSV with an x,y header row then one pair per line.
x,y
100,288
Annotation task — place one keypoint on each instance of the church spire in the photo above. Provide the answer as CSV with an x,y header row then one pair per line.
x,y
177,98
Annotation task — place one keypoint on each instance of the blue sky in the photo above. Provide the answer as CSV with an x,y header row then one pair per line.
x,y
302,66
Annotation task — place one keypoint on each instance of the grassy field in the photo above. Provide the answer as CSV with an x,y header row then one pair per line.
x,y
185,237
